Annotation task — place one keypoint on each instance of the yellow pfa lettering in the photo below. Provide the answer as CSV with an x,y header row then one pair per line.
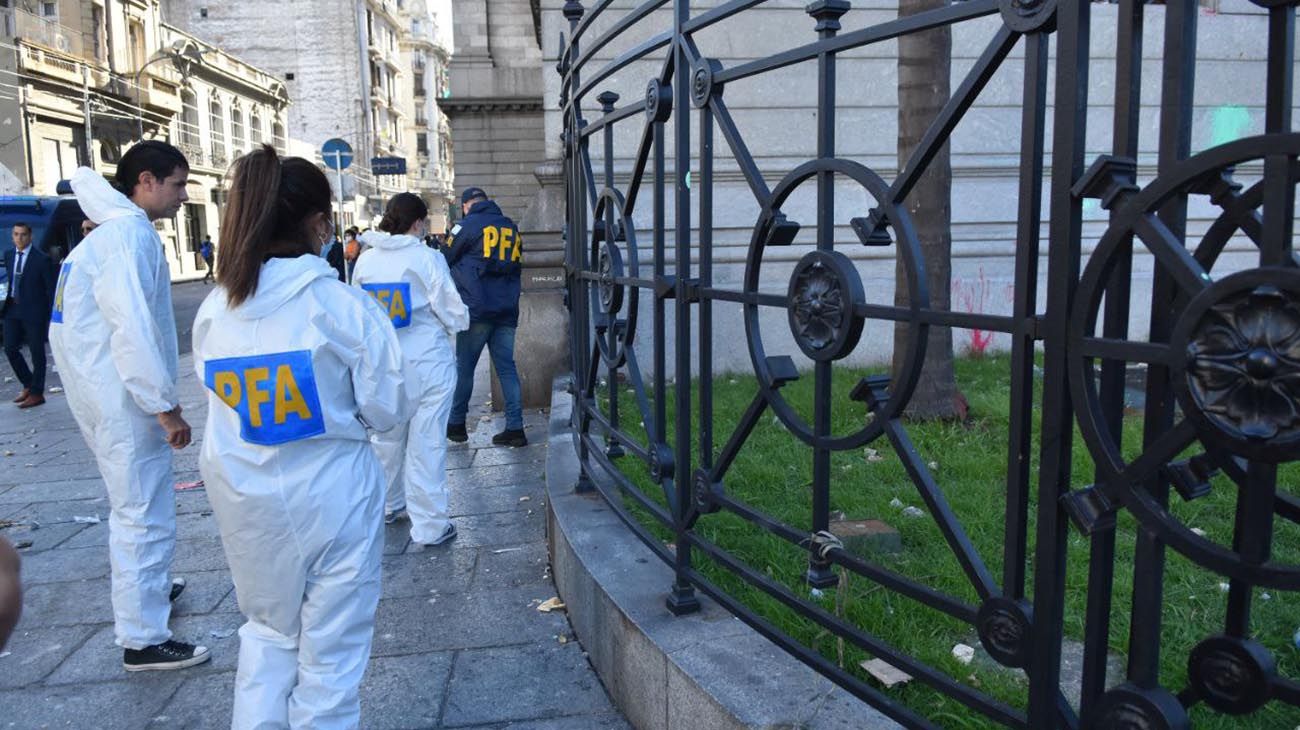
x,y
395,298
506,243
518,248
227,388
491,237
274,395
257,397
397,306
288,398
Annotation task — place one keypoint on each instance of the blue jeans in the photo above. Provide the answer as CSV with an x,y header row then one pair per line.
x,y
500,341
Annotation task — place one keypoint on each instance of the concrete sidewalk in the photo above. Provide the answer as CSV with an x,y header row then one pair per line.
x,y
458,642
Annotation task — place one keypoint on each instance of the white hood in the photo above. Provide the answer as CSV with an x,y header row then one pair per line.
x,y
281,280
99,200
388,241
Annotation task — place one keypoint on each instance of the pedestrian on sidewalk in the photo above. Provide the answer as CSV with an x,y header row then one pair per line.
x,y
207,250
332,252
351,250
26,310
114,338
485,255
299,365
414,286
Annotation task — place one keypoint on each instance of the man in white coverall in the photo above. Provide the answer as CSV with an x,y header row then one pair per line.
x,y
413,285
114,339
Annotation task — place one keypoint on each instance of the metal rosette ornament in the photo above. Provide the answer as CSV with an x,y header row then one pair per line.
x,y
613,302
825,302
1232,348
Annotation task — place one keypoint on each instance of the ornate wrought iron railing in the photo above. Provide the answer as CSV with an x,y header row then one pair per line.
x,y
1222,354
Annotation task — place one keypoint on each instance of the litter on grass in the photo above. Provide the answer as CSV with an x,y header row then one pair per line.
x,y
963,653
885,673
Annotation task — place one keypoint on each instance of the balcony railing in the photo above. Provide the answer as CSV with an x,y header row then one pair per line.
x,y
42,31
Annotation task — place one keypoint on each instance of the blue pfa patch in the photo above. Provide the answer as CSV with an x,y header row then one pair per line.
x,y
395,298
275,395
56,315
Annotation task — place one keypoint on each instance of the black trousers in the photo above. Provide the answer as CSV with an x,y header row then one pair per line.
x,y
18,333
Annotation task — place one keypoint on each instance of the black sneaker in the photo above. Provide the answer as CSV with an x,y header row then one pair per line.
x,y
167,655
456,432
448,533
178,587
511,437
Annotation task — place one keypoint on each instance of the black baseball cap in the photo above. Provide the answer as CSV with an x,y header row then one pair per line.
x,y
472,194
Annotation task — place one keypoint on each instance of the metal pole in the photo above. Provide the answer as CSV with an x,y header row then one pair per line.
x,y
85,110
338,216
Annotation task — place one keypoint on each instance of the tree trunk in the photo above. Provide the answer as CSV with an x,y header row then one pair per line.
x,y
924,61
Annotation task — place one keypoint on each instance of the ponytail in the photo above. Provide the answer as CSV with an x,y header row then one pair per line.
x,y
403,211
269,202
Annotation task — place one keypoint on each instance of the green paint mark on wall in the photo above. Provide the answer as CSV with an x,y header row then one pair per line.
x,y
1229,123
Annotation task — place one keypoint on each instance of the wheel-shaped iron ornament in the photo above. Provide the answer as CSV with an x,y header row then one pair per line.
x,y
823,291
1240,377
614,304
825,302
1232,354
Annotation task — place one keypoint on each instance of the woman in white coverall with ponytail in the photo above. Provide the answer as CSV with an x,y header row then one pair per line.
x,y
299,366
114,339
413,286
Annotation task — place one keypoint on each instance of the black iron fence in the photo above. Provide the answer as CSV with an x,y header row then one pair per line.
x,y
1221,400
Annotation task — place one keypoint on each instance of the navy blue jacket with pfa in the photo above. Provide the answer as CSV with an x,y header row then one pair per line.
x,y
485,252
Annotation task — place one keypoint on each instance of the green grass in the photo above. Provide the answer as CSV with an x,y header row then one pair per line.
x,y
774,471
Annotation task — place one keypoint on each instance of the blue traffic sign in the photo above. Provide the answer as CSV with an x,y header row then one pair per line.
x,y
337,154
388,165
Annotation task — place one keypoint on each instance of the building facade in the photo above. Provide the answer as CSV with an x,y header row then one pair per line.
x,y
352,65
83,80
427,128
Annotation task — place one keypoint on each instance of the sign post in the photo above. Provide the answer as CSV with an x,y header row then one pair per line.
x,y
337,154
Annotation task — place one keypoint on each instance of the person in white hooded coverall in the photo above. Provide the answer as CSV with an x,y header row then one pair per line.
x,y
299,366
413,286
114,340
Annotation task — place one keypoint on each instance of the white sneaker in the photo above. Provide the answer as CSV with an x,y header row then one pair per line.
x,y
394,516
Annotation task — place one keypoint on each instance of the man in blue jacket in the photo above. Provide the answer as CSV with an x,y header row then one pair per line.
x,y
27,313
485,252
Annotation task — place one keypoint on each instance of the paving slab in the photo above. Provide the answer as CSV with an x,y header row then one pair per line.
x,y
122,705
520,683
201,703
32,653
403,692
496,528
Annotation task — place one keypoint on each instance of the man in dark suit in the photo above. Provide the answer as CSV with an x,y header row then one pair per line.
x,y
27,313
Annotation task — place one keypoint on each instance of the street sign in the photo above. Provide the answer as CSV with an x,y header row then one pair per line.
x,y
388,165
337,154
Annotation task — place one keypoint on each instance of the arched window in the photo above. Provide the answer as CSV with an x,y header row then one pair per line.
x,y
189,124
277,135
237,141
217,121
255,129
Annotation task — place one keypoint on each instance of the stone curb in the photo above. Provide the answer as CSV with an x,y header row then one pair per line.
x,y
706,670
